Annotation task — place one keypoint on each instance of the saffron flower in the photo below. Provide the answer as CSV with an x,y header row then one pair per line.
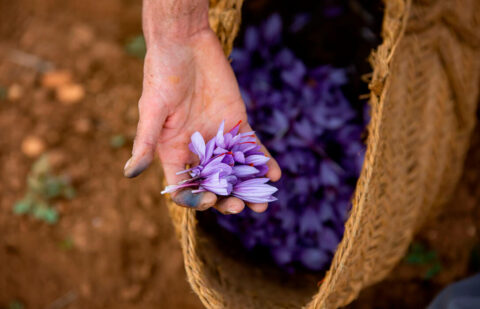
x,y
229,164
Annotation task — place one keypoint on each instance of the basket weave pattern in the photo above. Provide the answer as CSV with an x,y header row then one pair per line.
x,y
424,93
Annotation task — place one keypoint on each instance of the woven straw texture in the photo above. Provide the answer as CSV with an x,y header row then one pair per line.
x,y
424,92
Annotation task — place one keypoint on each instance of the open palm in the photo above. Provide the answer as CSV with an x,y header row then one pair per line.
x,y
187,88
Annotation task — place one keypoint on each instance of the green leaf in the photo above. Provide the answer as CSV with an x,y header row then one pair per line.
x,y
430,256
117,141
39,210
136,47
22,207
50,216
433,271
414,258
53,187
419,255
41,166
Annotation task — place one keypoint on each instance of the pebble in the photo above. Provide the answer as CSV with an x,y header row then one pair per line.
x,y
15,92
55,79
70,93
33,146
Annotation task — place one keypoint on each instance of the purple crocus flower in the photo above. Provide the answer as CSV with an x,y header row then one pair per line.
x,y
228,164
254,190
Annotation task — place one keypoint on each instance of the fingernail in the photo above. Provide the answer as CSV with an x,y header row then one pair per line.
x,y
133,169
126,164
231,212
187,198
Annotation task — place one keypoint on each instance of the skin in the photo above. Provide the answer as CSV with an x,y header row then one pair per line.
x,y
188,86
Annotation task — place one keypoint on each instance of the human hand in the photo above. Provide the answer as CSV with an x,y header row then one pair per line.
x,y
188,86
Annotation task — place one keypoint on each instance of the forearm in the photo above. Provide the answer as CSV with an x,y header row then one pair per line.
x,y
173,20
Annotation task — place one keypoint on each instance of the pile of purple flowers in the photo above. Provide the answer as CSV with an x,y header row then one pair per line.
x,y
304,119
230,164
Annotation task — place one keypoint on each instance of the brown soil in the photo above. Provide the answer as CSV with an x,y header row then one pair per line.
x,y
124,254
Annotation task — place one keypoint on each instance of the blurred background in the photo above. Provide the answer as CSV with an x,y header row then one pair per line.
x,y
74,233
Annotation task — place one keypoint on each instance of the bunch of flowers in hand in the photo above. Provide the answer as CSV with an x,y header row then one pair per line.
x,y
230,164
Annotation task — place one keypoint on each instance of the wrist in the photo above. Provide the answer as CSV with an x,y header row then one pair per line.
x,y
173,21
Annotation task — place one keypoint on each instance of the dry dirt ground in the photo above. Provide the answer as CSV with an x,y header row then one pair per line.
x,y
113,246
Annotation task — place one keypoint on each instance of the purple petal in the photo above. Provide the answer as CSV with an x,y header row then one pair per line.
x,y
282,255
209,150
197,145
234,130
313,258
262,170
239,157
220,150
272,29
244,171
219,139
215,184
251,38
256,159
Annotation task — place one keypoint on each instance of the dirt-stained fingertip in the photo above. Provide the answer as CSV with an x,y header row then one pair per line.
x,y
198,201
135,167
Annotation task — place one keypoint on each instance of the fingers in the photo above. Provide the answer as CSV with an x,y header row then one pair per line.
x,y
234,205
152,118
185,197
198,201
230,205
258,207
274,172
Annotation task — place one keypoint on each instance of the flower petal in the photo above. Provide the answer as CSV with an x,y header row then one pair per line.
x,y
209,150
239,157
244,171
219,138
197,145
256,159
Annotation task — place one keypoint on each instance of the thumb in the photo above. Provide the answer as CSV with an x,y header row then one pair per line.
x,y
152,117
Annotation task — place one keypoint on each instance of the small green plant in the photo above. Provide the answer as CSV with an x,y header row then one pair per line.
x,y
136,47
117,141
419,255
43,188
15,304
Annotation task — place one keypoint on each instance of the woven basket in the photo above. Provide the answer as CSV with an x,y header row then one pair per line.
x,y
424,92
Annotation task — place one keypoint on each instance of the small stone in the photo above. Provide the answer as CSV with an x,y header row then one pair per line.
x,y
15,92
70,93
33,146
55,79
